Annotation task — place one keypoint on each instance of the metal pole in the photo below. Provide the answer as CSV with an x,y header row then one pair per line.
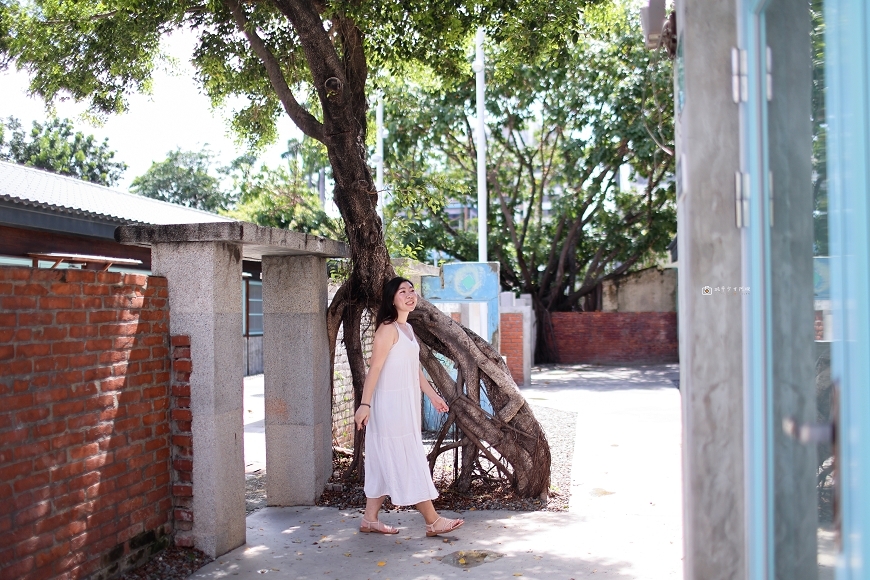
x,y
478,67
379,154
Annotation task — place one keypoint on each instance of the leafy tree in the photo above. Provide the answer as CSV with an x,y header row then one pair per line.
x,y
284,198
561,142
185,178
311,59
57,147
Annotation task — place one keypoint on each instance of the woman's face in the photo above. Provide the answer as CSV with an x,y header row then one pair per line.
x,y
405,299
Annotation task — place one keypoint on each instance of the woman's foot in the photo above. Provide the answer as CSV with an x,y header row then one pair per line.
x,y
442,526
376,527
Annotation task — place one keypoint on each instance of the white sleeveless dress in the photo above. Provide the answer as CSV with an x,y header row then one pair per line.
x,y
395,458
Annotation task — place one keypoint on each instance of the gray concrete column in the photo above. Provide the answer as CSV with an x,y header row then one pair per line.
x,y
205,303
711,361
297,383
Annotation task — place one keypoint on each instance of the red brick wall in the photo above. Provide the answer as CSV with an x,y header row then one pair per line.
x,y
84,426
512,343
615,337
182,442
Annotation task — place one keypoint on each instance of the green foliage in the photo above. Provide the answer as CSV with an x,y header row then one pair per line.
x,y
57,147
101,52
185,178
558,136
281,198
286,197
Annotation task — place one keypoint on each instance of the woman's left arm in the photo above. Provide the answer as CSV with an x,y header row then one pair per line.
x,y
429,391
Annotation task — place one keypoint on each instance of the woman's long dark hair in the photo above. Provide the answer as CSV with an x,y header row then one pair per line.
x,y
387,312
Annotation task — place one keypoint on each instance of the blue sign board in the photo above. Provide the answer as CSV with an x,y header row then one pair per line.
x,y
464,282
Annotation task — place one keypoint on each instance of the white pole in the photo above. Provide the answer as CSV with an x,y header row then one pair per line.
x,y
379,154
478,67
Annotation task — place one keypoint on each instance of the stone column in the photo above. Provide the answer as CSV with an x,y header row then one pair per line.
x,y
205,303
297,385
710,326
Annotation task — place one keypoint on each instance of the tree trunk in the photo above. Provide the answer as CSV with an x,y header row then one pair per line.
x,y
512,438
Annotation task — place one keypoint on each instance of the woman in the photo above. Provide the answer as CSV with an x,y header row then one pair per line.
x,y
390,408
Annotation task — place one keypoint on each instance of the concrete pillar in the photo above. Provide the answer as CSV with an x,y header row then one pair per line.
x,y
711,361
205,302
297,383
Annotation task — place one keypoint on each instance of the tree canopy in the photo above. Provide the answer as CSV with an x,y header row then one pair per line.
x,y
311,59
580,163
56,146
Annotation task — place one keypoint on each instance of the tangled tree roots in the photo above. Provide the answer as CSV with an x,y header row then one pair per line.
x,y
510,438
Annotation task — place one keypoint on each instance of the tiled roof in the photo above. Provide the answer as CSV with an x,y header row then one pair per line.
x,y
59,193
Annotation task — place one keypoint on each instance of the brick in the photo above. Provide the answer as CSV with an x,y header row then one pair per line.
x,y
95,290
15,470
32,350
84,331
55,553
15,273
55,302
18,303
180,340
182,365
119,329
29,450
51,363
67,408
182,490
86,420
32,513
71,317
87,302
69,347
66,471
32,415
101,316
181,390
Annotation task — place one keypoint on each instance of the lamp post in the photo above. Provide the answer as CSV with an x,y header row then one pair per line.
x,y
478,67
378,157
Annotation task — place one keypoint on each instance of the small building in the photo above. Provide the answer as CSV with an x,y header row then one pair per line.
x,y
73,221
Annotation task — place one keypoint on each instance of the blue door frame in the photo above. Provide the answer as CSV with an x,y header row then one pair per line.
x,y
848,100
848,116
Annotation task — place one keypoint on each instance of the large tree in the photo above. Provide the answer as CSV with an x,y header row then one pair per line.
x,y
581,165
187,178
311,60
58,147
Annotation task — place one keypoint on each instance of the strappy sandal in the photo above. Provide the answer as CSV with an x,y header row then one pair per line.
x,y
435,528
376,527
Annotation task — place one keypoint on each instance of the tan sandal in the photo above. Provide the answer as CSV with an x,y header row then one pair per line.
x,y
376,527
435,528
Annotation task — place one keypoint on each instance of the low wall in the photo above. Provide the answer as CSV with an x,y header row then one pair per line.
x,y
615,337
84,422
512,344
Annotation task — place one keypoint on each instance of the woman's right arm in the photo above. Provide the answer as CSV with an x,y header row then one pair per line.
x,y
385,337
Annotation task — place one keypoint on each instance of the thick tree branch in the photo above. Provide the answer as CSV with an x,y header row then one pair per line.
x,y
302,118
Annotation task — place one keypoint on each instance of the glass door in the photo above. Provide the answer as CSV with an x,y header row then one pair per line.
x,y
801,79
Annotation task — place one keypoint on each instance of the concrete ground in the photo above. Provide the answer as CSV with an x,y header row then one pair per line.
x,y
624,519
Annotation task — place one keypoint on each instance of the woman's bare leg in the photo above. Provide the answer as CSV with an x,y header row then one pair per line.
x,y
373,506
428,510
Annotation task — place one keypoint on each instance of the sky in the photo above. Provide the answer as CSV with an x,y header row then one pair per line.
x,y
176,114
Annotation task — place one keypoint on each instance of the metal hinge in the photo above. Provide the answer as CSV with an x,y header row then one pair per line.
x,y
741,199
739,75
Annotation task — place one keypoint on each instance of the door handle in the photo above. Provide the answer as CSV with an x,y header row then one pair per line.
x,y
809,433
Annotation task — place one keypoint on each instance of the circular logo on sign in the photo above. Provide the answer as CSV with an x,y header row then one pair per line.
x,y
467,280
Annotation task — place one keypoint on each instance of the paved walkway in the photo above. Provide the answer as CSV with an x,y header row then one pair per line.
x,y
624,520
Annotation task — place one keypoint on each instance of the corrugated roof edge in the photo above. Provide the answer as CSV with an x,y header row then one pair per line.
x,y
81,183
69,210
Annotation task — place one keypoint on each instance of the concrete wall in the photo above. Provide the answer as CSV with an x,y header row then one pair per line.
x,y
710,327
84,426
649,290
